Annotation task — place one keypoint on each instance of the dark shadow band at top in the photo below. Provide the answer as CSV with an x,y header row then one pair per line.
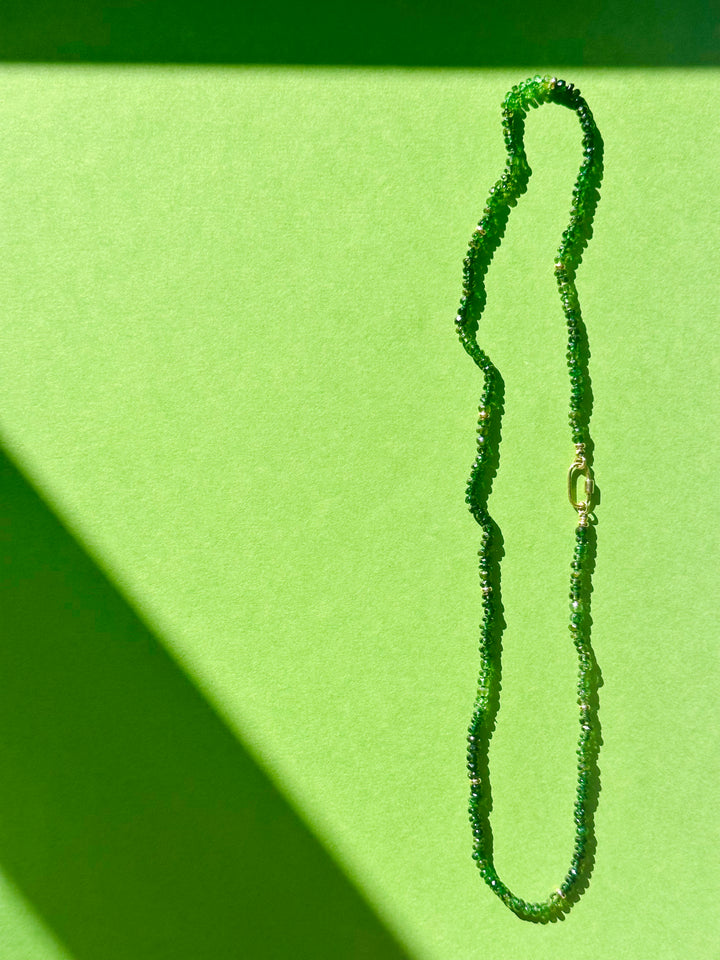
x,y
411,33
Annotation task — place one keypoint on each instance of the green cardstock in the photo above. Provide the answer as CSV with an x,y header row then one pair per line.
x,y
241,600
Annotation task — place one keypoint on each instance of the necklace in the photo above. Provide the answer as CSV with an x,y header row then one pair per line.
x,y
485,240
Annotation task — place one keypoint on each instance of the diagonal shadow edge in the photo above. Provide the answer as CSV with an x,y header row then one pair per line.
x,y
133,820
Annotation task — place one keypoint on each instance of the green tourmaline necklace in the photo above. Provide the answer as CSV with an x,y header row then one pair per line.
x,y
484,242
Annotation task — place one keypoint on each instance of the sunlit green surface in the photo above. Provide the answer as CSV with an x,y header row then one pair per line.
x,y
229,365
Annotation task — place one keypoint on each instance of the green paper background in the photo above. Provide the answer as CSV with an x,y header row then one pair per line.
x,y
241,603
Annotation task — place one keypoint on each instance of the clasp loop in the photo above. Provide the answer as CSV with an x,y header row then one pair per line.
x,y
580,467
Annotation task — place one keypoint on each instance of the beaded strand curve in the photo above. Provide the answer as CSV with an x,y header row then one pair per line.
x,y
485,239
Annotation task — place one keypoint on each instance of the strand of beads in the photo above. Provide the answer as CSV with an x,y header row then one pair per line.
x,y
485,239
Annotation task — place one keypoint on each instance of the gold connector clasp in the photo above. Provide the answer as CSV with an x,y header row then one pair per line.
x,y
580,468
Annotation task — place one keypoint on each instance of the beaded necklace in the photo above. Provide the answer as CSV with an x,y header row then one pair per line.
x,y
485,240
